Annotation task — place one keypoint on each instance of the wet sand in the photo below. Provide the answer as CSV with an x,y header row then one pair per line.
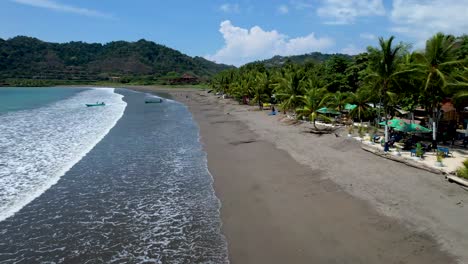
x,y
278,210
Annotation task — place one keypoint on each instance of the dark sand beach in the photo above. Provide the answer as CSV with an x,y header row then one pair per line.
x,y
277,210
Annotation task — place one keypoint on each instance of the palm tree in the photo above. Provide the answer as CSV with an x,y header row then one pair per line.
x,y
384,72
222,81
260,88
361,99
238,89
289,90
339,100
315,99
438,64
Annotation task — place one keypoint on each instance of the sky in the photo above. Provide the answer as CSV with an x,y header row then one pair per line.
x,y
236,32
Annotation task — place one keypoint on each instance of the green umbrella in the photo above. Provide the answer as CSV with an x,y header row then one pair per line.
x,y
416,128
325,110
350,107
397,124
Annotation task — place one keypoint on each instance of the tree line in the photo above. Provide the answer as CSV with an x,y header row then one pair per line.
x,y
386,77
26,60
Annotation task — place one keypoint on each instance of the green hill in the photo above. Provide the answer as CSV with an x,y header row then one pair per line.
x,y
277,61
30,60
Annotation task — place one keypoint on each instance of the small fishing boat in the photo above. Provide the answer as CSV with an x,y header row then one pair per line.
x,y
154,101
96,104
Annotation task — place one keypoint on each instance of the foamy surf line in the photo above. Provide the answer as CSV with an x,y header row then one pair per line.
x,y
40,145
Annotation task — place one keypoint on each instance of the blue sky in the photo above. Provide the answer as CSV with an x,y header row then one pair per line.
x,y
236,32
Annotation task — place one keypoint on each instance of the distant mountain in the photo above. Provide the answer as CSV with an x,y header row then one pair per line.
x,y
142,61
300,59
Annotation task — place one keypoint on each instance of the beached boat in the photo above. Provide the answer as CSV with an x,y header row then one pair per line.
x,y
154,101
96,104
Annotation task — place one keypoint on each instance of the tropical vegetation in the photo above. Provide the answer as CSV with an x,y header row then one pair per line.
x,y
387,77
26,61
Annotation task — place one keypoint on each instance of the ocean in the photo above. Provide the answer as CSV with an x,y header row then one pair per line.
x,y
123,183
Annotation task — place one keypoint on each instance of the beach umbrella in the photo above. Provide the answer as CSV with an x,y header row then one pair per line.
x,y
350,107
397,124
416,128
325,110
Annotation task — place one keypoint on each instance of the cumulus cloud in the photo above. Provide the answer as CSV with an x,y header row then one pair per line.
x,y
283,9
246,45
230,8
56,6
420,19
347,11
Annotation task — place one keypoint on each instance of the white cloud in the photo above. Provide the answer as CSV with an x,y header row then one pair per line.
x,y
346,11
230,8
283,9
352,50
420,19
53,5
246,45
367,36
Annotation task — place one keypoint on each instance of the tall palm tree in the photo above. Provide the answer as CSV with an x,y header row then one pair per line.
x,y
361,98
260,88
289,90
315,99
384,72
338,100
438,64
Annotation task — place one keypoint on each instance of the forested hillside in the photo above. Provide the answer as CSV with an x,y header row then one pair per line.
x,y
25,59
313,57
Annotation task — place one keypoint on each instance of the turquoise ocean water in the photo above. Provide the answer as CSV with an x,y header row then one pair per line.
x,y
14,99
44,132
123,183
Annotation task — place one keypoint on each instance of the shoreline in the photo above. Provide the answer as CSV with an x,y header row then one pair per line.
x,y
66,166
276,209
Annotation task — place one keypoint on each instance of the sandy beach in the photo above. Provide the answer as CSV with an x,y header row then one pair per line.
x,y
288,196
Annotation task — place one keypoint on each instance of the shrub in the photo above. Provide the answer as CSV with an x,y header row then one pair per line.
x,y
462,172
361,131
419,151
440,156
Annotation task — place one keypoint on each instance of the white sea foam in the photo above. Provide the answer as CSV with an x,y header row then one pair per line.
x,y
39,146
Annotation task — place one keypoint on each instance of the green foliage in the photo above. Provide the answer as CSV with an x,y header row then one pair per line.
x,y
289,89
259,90
440,156
462,172
314,99
440,69
314,57
419,150
462,52
24,58
384,70
387,75
338,100
361,131
361,99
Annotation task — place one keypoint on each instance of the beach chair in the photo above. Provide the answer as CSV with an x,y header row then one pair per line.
x,y
446,151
